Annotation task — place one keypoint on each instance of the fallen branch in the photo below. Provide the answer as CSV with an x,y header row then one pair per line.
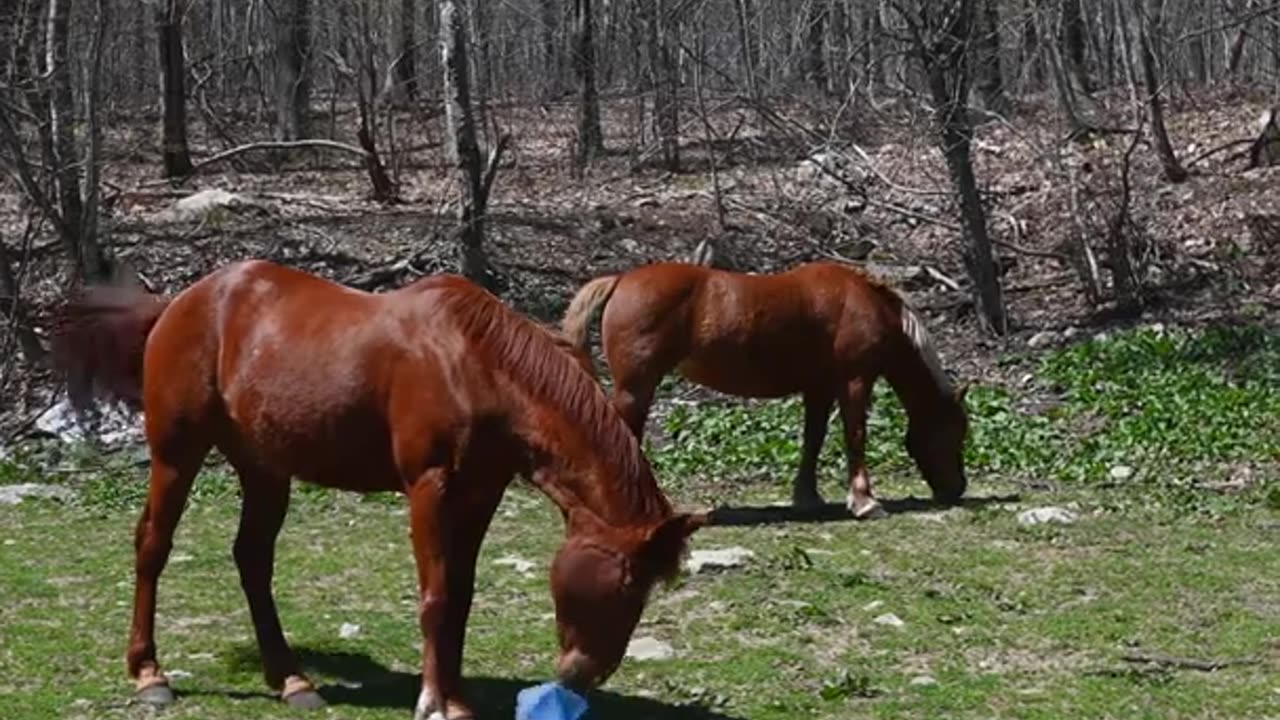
x,y
1186,663
263,145
1220,148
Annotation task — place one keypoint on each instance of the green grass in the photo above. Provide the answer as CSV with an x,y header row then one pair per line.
x,y
1008,621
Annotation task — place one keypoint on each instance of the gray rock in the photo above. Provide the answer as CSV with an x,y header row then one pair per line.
x,y
14,494
1121,472
649,648
1044,515
1044,338
889,619
923,680
721,559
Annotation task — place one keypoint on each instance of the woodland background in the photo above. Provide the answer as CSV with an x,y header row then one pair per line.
x,y
1024,168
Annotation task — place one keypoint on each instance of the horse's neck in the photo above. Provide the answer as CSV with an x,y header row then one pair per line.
x,y
915,383
577,475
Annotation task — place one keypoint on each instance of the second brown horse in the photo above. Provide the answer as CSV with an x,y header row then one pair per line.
x,y
821,330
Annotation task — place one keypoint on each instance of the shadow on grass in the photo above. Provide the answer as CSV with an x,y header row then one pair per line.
x,y
837,512
362,681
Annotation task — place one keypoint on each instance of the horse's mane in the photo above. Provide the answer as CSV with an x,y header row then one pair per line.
x,y
529,354
914,329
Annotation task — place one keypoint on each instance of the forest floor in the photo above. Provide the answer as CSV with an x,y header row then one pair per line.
x,y
1152,434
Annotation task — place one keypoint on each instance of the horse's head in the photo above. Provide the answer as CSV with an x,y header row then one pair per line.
x,y
600,580
938,450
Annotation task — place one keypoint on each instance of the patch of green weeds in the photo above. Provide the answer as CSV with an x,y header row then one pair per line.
x,y
1173,407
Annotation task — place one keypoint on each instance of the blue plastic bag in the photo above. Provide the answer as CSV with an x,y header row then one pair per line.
x,y
549,701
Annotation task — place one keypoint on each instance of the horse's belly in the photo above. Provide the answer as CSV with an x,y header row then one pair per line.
x,y
348,452
745,375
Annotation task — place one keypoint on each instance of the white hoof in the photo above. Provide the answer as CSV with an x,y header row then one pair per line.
x,y
426,709
871,511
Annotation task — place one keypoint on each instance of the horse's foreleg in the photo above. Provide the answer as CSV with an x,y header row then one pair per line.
x,y
262,513
853,413
172,473
817,413
429,530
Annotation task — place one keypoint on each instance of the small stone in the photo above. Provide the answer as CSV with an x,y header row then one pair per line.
x,y
923,680
180,558
1121,472
1042,339
177,674
519,564
649,648
1071,333
348,631
872,605
723,558
889,619
1043,515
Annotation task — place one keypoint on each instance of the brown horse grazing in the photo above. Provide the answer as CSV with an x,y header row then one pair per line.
x,y
822,330
436,390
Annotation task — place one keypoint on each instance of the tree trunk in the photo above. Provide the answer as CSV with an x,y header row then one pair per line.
x,y
177,159
464,152
941,39
1073,39
1031,55
1148,24
987,44
1236,51
82,243
13,312
815,57
293,84
590,143
406,68
551,63
662,75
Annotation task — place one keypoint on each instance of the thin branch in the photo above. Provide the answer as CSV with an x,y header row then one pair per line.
x,y
266,145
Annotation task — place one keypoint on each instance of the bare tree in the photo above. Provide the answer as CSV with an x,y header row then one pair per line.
x,y
939,34
590,140
173,70
474,179
990,77
1146,21
293,81
662,78
63,180
406,64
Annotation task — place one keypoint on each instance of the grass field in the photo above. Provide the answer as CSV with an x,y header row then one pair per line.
x,y
1166,445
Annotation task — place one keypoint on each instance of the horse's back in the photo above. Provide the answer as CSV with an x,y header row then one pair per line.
x,y
296,374
762,335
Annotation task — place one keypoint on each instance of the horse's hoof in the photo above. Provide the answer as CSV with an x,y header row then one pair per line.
x,y
159,695
871,511
305,700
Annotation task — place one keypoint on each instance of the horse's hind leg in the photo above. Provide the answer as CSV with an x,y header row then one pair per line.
x,y
853,413
174,465
817,413
265,502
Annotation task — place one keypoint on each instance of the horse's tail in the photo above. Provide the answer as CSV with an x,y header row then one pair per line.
x,y
98,341
590,296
